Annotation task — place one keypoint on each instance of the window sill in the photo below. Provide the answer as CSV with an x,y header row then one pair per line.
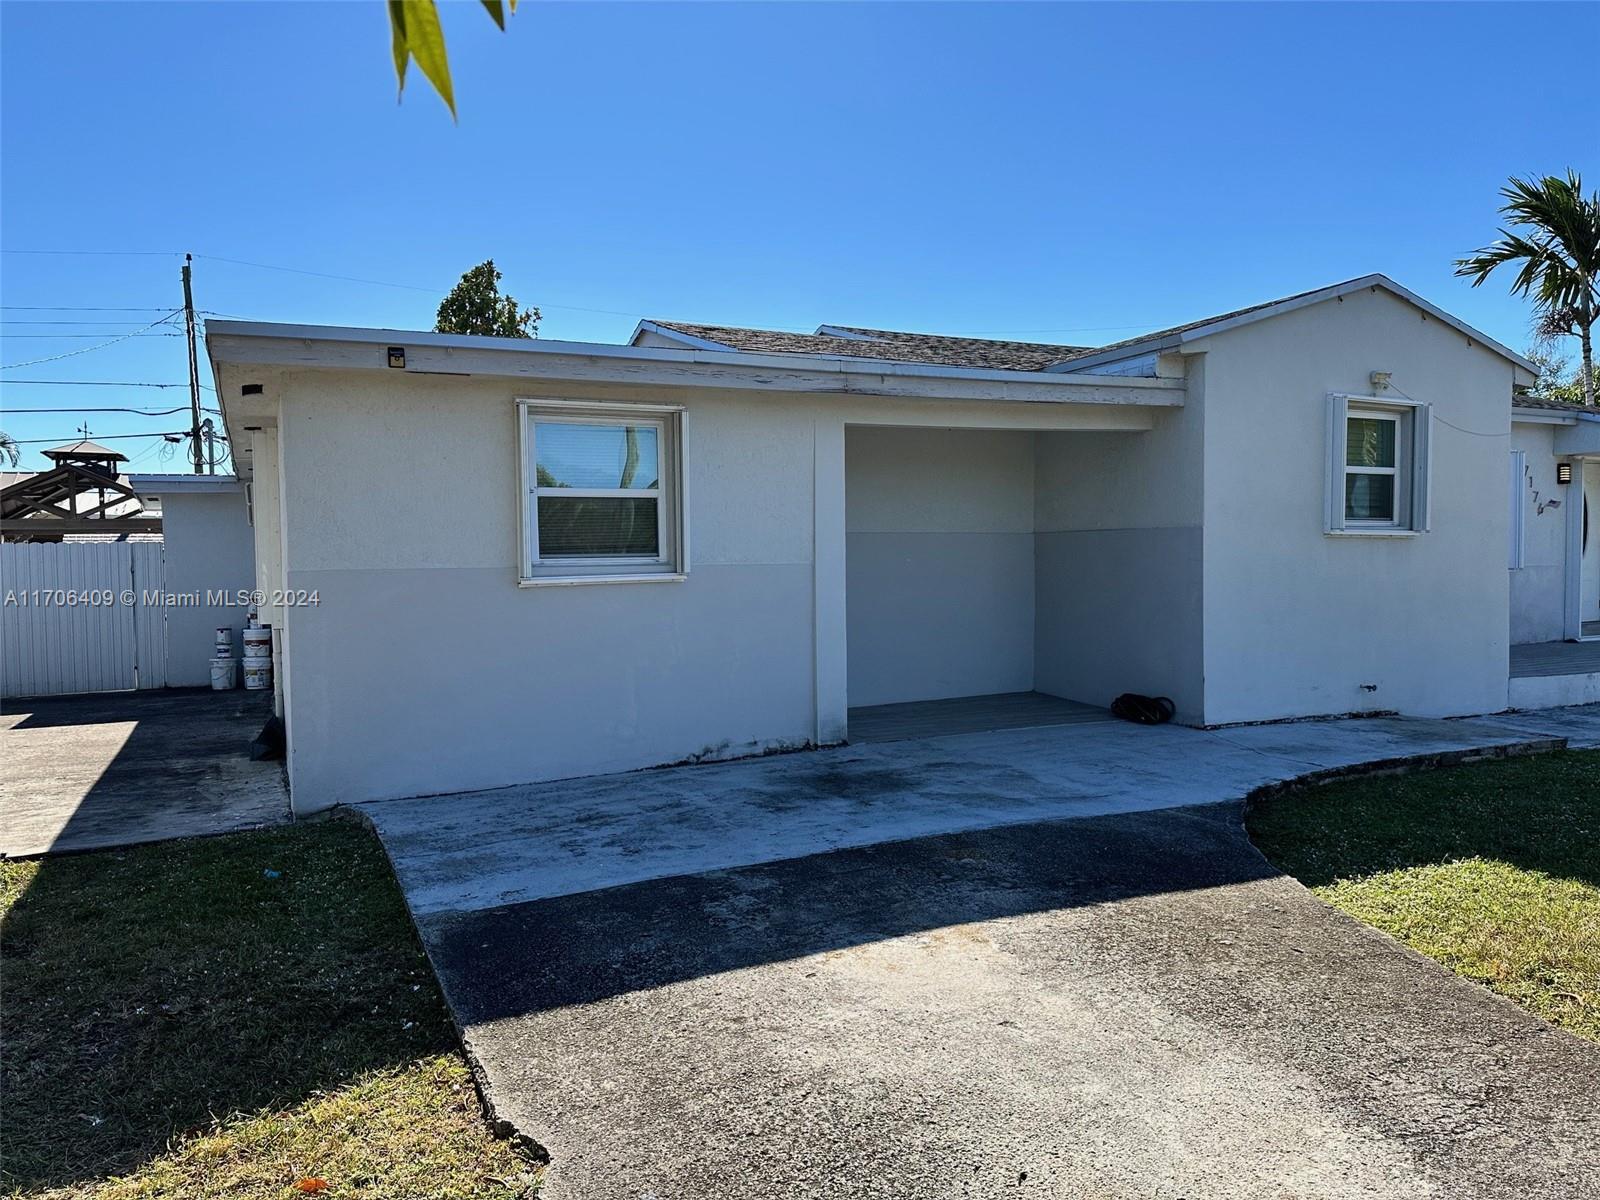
x,y
1372,533
571,580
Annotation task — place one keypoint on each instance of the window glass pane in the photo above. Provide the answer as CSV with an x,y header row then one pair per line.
x,y
1368,497
597,526
1370,442
597,456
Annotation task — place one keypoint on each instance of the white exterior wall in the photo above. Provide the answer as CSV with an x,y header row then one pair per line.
x,y
208,548
939,545
432,671
426,669
1297,621
1537,587
1118,562
267,525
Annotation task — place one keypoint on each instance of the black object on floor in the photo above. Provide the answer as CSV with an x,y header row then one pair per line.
x,y
269,742
1145,710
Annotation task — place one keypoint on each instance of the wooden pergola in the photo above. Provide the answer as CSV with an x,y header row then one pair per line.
x,y
81,494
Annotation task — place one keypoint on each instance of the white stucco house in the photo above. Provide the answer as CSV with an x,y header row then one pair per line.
x,y
517,560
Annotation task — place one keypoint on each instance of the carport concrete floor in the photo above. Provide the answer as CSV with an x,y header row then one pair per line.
x,y
1041,962
91,772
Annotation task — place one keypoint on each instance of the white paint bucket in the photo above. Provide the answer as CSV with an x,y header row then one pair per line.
x,y
258,643
224,642
257,673
223,674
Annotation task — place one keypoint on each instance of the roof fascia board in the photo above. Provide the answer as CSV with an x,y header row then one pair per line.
x,y
1526,416
173,484
1583,439
236,343
1212,328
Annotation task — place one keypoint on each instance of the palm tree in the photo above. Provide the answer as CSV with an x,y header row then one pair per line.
x,y
1558,247
9,450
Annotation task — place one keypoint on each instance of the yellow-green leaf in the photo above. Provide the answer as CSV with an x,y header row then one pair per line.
x,y
497,11
424,40
397,39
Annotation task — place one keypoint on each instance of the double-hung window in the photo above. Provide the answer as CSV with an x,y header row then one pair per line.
x,y
1377,465
602,491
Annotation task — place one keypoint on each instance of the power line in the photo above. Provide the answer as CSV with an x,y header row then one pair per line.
x,y
23,321
88,349
239,262
12,337
77,308
94,383
138,412
125,253
107,437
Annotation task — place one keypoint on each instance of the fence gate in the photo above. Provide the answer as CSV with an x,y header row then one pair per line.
x,y
74,617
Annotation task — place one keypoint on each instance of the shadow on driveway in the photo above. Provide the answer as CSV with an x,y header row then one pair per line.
x,y
89,772
1136,1004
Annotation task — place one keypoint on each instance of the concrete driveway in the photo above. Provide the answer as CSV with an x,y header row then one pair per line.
x,y
90,772
1000,1003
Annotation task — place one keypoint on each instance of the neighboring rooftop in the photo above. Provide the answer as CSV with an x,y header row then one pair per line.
x,y
84,449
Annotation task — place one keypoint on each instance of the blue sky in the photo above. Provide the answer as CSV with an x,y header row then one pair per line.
x,y
1058,173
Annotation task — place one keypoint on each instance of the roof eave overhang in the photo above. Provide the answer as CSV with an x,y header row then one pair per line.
x,y
171,485
232,345
1542,416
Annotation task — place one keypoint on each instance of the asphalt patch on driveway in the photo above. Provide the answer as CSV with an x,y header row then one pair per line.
x,y
1126,1006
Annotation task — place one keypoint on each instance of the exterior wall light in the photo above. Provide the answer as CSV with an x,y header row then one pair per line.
x,y
1563,472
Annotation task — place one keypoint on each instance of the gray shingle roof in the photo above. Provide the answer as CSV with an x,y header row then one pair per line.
x,y
885,344
1553,405
897,346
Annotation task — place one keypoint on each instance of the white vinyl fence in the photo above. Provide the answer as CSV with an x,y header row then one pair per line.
x,y
74,617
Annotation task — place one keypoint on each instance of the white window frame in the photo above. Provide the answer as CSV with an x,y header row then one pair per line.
x,y
671,562
1413,469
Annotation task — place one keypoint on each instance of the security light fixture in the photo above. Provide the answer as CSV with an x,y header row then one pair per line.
x,y
1380,380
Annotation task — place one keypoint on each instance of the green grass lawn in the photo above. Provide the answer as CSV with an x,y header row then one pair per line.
x,y
231,1016
1492,868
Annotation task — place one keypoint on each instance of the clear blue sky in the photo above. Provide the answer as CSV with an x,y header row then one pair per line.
x,y
1062,173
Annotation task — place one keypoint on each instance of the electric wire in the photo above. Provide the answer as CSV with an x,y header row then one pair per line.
x,y
33,362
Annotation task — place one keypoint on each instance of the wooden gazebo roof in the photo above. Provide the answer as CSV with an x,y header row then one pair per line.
x,y
82,493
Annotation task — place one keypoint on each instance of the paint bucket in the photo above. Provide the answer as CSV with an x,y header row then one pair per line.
x,y
224,642
258,642
223,674
257,673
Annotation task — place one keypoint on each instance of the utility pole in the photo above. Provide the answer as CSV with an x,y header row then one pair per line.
x,y
208,430
194,367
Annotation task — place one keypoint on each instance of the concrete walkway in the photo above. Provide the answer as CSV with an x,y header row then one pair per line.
x,y
483,849
767,980
92,772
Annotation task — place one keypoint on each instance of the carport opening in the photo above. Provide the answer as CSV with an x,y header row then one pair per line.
x,y
969,598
